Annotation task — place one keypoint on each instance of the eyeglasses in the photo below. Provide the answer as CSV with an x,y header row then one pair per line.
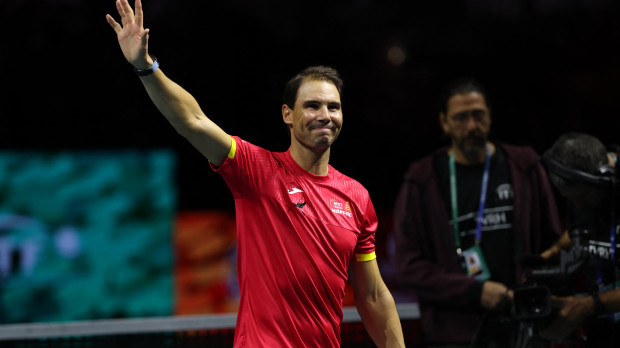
x,y
479,116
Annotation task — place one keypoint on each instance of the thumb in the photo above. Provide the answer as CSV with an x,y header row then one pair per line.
x,y
556,300
145,37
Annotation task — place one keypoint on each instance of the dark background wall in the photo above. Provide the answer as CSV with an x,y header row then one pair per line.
x,y
551,65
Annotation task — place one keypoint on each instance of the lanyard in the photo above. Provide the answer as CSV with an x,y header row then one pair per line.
x,y
454,201
612,222
612,230
612,239
612,245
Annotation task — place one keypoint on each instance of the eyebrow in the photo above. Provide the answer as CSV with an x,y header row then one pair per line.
x,y
474,111
329,103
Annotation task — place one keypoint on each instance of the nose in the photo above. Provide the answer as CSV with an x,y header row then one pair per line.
x,y
470,122
323,114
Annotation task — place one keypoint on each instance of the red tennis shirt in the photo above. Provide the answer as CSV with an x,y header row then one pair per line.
x,y
297,233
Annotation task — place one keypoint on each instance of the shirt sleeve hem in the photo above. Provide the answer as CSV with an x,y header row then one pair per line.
x,y
365,257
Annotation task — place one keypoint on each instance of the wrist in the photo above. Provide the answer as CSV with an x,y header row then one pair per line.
x,y
149,69
142,62
597,305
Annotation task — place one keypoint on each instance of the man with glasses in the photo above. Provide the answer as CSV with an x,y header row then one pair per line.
x,y
464,218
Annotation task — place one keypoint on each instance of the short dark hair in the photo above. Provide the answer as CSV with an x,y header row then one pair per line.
x,y
578,151
461,86
313,73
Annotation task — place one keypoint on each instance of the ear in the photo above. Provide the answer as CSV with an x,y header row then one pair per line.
x,y
443,122
287,114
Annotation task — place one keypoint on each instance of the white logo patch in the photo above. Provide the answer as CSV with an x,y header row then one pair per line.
x,y
341,208
504,191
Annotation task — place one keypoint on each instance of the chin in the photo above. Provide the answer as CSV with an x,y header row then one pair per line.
x,y
474,150
323,144
325,140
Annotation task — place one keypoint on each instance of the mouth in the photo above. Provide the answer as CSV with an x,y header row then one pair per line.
x,y
323,129
474,139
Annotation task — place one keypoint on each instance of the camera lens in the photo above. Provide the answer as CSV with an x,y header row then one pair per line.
x,y
534,302
536,306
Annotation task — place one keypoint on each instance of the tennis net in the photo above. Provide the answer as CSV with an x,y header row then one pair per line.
x,y
213,331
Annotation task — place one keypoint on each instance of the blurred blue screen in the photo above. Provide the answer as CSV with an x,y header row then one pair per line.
x,y
86,235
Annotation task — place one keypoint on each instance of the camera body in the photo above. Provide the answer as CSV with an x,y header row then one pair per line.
x,y
532,301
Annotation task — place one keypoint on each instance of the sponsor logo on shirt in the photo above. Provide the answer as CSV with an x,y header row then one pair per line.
x,y
294,190
340,208
600,249
504,191
297,197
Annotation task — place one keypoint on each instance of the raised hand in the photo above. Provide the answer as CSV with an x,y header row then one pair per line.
x,y
132,37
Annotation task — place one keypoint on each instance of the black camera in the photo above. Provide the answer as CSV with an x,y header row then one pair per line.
x,y
532,301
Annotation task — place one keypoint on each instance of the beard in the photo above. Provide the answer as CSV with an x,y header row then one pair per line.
x,y
327,138
472,145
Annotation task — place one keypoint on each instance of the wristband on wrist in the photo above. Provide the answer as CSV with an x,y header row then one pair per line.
x,y
598,305
149,71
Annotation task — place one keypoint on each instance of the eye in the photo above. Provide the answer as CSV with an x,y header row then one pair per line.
x,y
333,106
312,105
459,117
478,115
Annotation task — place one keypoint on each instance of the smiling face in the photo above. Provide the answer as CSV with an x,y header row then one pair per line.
x,y
467,122
316,120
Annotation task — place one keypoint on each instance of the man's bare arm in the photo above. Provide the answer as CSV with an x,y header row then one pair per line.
x,y
375,305
175,103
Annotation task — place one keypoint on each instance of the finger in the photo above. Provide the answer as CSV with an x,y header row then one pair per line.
x,y
555,300
121,12
127,10
117,27
119,9
139,14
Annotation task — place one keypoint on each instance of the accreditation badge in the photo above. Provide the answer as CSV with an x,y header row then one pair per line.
x,y
474,263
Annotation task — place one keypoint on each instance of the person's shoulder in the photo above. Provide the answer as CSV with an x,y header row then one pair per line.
x,y
245,145
342,178
524,155
346,183
241,142
521,151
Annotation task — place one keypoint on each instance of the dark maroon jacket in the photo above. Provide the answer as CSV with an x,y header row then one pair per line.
x,y
425,250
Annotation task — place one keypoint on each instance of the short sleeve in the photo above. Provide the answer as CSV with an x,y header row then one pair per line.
x,y
365,248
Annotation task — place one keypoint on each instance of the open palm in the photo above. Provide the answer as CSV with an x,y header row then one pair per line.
x,y
132,37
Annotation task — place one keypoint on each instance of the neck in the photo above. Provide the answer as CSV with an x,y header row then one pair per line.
x,y
479,158
314,161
